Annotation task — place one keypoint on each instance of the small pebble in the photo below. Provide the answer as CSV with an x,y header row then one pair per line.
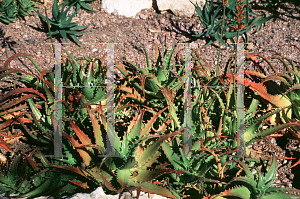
x,y
104,23
250,46
142,16
173,34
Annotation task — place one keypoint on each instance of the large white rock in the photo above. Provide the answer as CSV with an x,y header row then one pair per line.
x,y
180,7
128,8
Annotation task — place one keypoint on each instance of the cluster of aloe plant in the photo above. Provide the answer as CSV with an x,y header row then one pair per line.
x,y
146,150
10,9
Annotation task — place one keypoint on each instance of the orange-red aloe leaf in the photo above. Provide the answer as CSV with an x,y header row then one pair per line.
x,y
46,81
17,101
277,100
80,184
83,154
163,127
30,160
22,90
156,189
107,184
148,156
145,175
71,168
96,128
4,145
129,90
134,97
12,121
147,128
258,74
17,108
297,163
84,139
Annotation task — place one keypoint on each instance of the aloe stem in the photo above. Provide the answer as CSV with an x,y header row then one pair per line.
x,y
224,7
45,6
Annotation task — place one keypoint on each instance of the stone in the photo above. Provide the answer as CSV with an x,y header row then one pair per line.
x,y
129,8
180,8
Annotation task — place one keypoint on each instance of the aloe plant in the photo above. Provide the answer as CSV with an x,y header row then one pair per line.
x,y
8,11
118,173
62,25
211,19
80,4
26,6
255,185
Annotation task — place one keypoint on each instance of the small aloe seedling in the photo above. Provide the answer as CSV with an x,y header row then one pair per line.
x,y
63,26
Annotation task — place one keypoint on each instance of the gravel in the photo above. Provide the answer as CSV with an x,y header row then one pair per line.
x,y
99,194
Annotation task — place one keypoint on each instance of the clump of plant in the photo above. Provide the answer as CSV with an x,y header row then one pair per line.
x,y
8,11
80,4
215,22
255,185
11,9
61,24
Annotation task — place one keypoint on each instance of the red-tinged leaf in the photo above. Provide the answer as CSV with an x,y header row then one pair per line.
x,y
70,168
84,139
277,100
12,121
297,163
46,81
147,157
134,97
145,175
132,123
96,128
80,184
10,136
107,184
102,58
14,102
149,125
11,70
30,160
4,145
156,189
22,90
17,108
25,120
83,154
130,90
250,72
163,127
